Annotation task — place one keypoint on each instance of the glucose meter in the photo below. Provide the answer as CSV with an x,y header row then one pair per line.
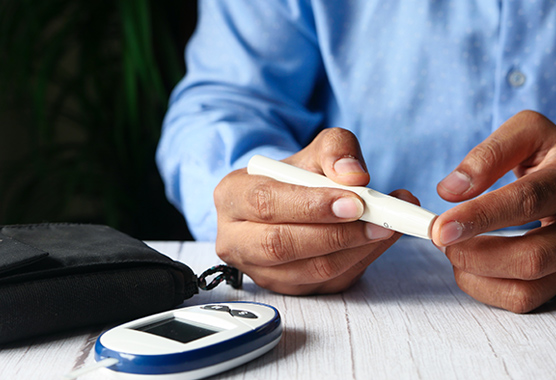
x,y
190,343
384,210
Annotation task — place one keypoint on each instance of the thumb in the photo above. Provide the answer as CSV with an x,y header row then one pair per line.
x,y
336,152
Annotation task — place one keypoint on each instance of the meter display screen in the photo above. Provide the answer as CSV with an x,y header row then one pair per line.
x,y
172,328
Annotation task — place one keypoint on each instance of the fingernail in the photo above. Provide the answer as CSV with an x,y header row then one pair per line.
x,y
450,232
348,165
348,208
375,232
456,183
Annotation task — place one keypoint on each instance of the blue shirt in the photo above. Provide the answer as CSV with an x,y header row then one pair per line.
x,y
419,82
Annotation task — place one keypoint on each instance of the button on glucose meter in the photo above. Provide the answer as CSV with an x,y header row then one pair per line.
x,y
190,343
243,314
217,308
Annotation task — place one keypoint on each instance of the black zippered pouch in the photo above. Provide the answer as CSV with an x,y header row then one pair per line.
x,y
57,277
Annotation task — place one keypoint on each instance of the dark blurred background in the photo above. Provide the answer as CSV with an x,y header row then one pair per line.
x,y
84,86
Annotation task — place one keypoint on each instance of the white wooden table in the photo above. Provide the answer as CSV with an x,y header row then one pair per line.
x,y
405,319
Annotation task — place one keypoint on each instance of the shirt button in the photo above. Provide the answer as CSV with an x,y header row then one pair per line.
x,y
516,78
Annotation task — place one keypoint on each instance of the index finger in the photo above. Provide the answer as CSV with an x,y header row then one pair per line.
x,y
261,199
526,200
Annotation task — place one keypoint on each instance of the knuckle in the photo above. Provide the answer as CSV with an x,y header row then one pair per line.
x,y
322,268
531,196
262,200
339,237
223,193
520,299
220,248
224,254
226,250
534,264
219,193
309,203
277,244
485,155
482,216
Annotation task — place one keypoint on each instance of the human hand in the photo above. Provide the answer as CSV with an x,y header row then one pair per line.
x,y
299,240
514,273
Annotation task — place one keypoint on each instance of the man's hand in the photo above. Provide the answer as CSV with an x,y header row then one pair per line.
x,y
517,273
299,240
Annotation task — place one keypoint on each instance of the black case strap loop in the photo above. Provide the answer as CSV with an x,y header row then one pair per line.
x,y
231,275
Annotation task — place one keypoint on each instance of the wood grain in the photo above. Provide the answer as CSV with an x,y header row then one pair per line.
x,y
405,319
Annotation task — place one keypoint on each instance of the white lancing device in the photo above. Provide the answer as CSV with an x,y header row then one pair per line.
x,y
381,209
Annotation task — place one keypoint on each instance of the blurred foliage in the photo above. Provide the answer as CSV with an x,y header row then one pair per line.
x,y
84,88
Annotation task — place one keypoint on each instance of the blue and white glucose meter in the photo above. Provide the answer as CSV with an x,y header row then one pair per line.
x,y
190,343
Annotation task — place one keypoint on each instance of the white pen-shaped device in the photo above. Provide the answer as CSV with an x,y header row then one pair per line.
x,y
381,209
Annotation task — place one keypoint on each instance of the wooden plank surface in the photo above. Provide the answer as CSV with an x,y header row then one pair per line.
x,y
405,319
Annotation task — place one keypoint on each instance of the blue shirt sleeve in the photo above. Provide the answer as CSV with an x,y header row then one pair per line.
x,y
245,93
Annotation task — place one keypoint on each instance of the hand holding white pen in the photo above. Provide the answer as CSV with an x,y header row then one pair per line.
x,y
305,240
380,209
